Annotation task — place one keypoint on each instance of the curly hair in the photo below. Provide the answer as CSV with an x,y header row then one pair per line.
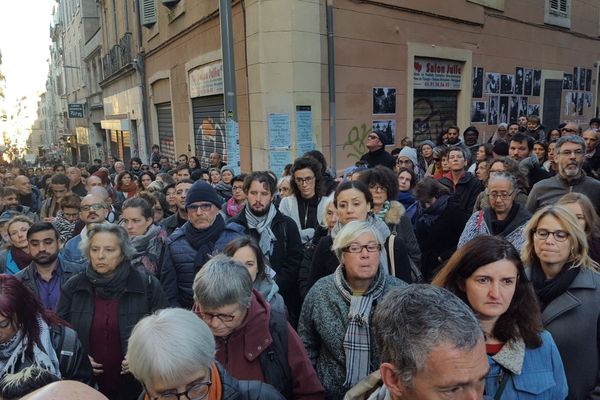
x,y
382,176
315,166
512,167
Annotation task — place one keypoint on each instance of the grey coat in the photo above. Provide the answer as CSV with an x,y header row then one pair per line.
x,y
573,319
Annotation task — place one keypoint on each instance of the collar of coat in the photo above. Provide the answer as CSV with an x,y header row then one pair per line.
x,y
511,356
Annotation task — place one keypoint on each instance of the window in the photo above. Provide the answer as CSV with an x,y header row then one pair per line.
x,y
148,13
558,12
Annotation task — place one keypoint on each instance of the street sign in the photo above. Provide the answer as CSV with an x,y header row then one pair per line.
x,y
76,111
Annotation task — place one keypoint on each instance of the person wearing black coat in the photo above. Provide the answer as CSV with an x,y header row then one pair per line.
x,y
463,185
439,226
377,154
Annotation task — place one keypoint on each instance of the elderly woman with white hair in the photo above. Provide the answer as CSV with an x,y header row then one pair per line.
x,y
104,302
172,354
336,314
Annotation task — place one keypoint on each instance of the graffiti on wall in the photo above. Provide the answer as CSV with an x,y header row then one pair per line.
x,y
210,138
355,140
433,113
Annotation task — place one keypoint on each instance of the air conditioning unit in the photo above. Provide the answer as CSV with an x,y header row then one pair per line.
x,y
169,3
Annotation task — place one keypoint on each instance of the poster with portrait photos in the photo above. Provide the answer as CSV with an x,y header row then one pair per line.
x,y
523,100
388,128
588,80
384,100
582,78
588,100
477,82
537,82
492,83
533,109
519,80
567,81
507,84
478,112
580,101
528,85
513,113
493,110
503,113
575,78
571,99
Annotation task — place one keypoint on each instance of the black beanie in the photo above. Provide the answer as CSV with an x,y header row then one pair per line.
x,y
202,191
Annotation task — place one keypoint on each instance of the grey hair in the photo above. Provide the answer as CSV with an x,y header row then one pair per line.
x,y
350,232
222,281
100,192
502,176
410,322
169,344
569,139
127,248
328,201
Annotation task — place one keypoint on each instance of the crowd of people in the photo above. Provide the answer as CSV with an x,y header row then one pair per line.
x,y
454,269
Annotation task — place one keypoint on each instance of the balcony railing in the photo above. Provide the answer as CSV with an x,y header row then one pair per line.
x,y
117,57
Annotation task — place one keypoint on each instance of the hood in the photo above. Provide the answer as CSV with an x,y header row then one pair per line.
x,y
395,212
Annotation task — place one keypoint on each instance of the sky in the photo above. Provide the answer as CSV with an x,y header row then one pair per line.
x,y
24,43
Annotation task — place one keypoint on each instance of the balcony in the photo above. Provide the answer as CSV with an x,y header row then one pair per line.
x,y
117,57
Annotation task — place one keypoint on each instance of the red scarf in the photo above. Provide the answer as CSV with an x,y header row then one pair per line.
x,y
21,258
130,189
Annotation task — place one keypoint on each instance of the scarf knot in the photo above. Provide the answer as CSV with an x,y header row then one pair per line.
x,y
262,225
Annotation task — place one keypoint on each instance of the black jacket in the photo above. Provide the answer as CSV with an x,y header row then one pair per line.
x,y
378,157
171,223
285,260
465,192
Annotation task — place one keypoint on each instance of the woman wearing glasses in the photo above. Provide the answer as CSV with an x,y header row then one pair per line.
x,y
568,288
337,312
504,217
232,207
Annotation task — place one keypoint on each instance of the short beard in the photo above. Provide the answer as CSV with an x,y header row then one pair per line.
x,y
50,259
259,213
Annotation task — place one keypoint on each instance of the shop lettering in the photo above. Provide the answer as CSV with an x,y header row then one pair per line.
x,y
435,68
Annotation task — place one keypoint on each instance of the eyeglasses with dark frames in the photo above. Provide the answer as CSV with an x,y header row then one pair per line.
x,y
357,248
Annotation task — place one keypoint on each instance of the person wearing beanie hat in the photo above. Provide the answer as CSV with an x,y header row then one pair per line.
x,y
223,187
375,143
425,155
408,159
191,245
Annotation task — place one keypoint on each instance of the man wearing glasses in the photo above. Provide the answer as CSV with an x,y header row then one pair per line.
x,y
569,155
93,209
570,128
377,155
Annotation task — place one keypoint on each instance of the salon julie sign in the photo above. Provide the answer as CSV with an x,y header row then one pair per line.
x,y
431,73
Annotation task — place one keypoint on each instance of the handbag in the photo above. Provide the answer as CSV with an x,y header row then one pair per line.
x,y
415,273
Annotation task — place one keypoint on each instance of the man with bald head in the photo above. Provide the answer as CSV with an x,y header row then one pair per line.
x,y
29,195
66,390
93,209
75,185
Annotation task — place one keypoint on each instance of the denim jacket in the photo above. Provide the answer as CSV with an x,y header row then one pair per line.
x,y
531,373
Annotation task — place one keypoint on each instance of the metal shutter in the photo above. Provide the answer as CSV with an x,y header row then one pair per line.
x,y
209,127
165,130
552,101
433,111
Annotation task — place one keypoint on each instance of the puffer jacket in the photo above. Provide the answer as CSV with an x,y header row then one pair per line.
x,y
179,267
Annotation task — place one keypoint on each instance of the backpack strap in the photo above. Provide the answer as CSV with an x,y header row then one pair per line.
x,y
64,342
274,360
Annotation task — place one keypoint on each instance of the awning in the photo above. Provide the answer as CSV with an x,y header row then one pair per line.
x,y
116,124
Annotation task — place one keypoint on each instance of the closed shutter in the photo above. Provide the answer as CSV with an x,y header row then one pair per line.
x,y
433,112
552,101
209,128
148,12
165,130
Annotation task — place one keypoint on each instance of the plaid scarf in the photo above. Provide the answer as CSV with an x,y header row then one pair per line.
x,y
357,340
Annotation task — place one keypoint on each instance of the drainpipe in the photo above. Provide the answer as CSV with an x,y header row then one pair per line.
x,y
225,14
331,83
140,66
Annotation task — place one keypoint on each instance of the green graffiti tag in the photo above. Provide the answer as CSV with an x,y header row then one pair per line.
x,y
356,141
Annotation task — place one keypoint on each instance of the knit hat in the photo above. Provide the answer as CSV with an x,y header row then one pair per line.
x,y
202,191
500,148
382,136
409,153
429,143
227,168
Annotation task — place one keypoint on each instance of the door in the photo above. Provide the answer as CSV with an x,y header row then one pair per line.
x,y
209,128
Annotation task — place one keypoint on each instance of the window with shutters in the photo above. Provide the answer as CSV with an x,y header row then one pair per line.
x,y
558,12
149,13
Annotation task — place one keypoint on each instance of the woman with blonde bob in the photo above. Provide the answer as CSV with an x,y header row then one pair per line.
x,y
568,288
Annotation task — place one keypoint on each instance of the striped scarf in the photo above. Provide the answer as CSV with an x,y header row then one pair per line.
x,y
357,340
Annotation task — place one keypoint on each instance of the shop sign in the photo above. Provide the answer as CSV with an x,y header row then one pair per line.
x,y
431,73
206,80
76,111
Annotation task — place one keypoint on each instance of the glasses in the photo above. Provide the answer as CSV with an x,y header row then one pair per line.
x,y
208,317
197,391
357,248
503,195
302,181
569,153
237,188
373,137
569,130
202,206
95,207
543,234
377,188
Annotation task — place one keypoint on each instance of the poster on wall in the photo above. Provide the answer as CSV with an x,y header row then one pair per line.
x,y
580,103
582,78
507,84
384,100
514,108
533,109
503,115
432,73
478,112
588,80
567,81
279,131
570,103
519,71
493,110
523,100
477,82
575,78
528,82
388,128
537,82
588,100
492,83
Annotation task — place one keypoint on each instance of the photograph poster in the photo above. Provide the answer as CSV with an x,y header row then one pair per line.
x,y
478,112
477,82
537,82
507,84
588,80
493,110
523,100
492,83
519,79
533,109
514,108
388,127
567,81
528,85
575,78
582,78
384,100
503,115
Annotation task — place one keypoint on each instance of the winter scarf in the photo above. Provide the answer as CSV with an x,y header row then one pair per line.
x,y
111,286
148,248
263,227
431,214
128,190
21,258
224,190
357,340
64,227
203,240
233,208
13,352
383,212
549,289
